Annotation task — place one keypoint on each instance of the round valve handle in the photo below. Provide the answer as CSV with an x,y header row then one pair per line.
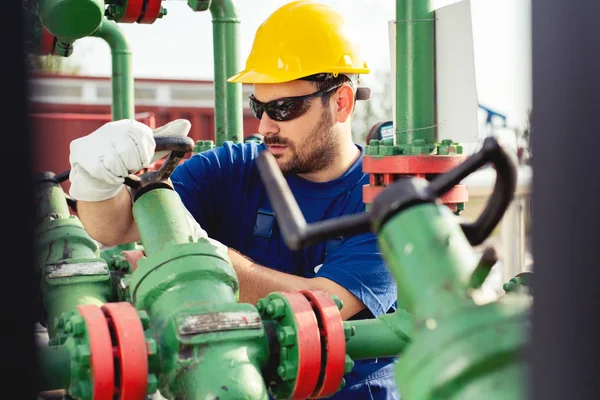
x,y
178,147
402,194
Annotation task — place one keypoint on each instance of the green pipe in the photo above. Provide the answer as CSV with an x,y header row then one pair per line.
x,y
123,106
385,336
70,270
55,367
431,261
415,72
228,96
161,220
210,346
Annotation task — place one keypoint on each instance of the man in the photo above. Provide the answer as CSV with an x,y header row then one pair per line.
x,y
305,88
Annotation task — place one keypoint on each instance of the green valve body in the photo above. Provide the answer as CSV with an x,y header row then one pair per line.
x,y
70,20
210,346
458,349
71,271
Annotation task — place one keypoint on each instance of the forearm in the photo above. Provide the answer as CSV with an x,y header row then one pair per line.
x,y
257,282
110,221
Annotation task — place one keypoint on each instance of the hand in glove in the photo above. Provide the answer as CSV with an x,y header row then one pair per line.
x,y
101,160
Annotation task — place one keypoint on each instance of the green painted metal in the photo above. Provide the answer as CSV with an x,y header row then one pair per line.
x,y
123,94
415,73
70,20
161,220
71,270
228,96
482,351
385,336
123,105
189,290
54,367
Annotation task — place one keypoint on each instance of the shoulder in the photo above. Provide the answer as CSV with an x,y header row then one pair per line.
x,y
233,152
227,157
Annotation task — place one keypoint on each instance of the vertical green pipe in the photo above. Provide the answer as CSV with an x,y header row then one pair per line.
x,y
415,72
123,106
54,367
123,101
228,96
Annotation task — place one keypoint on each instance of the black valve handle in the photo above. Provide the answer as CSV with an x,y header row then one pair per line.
x,y
177,145
298,234
504,187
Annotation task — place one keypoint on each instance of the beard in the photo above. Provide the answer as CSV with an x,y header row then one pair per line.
x,y
312,154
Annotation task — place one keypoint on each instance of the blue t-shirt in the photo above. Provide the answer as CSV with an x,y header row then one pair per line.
x,y
223,190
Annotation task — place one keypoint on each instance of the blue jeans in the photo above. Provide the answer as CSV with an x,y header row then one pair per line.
x,y
379,384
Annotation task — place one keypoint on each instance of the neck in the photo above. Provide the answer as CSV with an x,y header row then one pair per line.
x,y
345,158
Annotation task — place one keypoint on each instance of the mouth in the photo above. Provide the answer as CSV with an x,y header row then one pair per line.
x,y
276,148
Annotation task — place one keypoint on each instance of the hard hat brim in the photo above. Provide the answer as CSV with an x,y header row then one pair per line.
x,y
252,76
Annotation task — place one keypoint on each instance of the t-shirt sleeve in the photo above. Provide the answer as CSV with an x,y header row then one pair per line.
x,y
357,265
196,180
210,185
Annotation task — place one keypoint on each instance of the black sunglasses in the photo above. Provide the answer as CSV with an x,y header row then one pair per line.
x,y
286,108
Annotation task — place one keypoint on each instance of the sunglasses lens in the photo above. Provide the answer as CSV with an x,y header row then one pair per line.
x,y
288,109
257,110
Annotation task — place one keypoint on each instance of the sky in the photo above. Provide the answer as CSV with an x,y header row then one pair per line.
x,y
179,46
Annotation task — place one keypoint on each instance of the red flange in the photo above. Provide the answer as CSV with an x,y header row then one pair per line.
x,y
309,345
151,12
458,194
102,369
133,256
410,165
46,42
133,10
333,342
130,349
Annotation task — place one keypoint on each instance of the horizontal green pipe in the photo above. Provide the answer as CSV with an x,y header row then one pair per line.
x,y
55,367
385,336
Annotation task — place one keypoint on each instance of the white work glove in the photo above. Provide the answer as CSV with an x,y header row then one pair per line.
x,y
101,160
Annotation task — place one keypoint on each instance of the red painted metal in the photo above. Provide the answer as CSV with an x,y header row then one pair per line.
x,y
133,256
101,360
458,194
333,341
46,42
309,345
411,164
129,349
133,10
151,13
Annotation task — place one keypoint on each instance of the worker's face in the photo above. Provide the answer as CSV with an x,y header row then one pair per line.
x,y
305,144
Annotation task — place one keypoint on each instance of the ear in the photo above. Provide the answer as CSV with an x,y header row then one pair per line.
x,y
344,103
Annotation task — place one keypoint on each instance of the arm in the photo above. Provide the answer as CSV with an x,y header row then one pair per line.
x,y
257,282
110,221
100,162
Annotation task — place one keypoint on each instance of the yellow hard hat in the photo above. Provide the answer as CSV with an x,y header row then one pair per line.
x,y
299,39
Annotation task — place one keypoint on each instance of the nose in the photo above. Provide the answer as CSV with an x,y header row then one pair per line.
x,y
267,126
